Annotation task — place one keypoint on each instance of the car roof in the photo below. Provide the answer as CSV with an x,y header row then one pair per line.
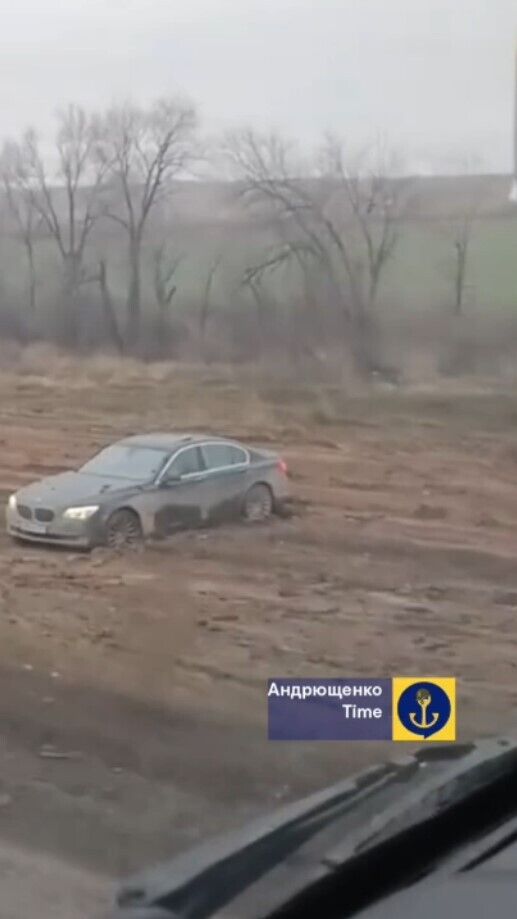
x,y
167,441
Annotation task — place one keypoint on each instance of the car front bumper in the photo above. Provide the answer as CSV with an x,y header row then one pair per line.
x,y
84,534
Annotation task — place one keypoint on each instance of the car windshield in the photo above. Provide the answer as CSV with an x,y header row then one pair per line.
x,y
123,461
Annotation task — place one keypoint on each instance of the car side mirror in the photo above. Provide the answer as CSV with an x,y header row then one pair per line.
x,y
170,480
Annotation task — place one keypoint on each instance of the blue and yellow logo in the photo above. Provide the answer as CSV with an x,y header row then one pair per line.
x,y
424,708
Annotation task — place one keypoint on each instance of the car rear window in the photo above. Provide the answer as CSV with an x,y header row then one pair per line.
x,y
219,456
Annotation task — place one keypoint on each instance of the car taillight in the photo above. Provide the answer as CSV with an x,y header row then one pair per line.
x,y
282,465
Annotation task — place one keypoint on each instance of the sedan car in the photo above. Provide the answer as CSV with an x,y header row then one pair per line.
x,y
150,485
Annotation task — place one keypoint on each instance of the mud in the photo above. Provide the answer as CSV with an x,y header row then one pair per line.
x,y
132,697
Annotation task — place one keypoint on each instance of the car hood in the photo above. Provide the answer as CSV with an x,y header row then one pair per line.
x,y
69,488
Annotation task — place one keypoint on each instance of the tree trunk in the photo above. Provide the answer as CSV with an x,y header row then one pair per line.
x,y
460,281
203,319
365,344
72,271
134,294
71,277
108,309
204,312
263,314
32,275
360,332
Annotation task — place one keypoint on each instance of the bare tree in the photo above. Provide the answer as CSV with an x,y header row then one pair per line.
x,y
68,203
205,307
165,267
254,280
460,228
463,227
456,349
22,209
146,150
100,277
342,215
461,244
66,198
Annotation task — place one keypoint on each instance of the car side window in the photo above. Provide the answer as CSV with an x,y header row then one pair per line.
x,y
187,462
221,456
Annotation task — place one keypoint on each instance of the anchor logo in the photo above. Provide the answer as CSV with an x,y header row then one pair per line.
x,y
423,698
424,708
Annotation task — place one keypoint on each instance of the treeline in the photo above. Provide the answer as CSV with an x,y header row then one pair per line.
x,y
333,225
116,167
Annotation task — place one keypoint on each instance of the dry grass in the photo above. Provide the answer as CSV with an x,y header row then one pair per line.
x,y
246,401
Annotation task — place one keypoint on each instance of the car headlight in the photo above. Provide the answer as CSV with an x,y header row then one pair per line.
x,y
81,513
11,504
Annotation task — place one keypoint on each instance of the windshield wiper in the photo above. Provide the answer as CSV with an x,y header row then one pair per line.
x,y
393,822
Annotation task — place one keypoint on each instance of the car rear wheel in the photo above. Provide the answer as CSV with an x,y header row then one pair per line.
x,y
123,530
258,504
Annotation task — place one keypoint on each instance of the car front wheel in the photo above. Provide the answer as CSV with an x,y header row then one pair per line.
x,y
123,530
258,503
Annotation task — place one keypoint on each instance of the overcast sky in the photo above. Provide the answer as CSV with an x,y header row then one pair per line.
x,y
435,76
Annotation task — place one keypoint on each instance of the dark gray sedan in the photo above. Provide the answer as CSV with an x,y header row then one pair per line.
x,y
150,485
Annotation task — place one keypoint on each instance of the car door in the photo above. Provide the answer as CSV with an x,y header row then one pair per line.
x,y
181,492
227,467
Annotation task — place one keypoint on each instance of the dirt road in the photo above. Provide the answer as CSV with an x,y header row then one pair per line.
x,y
132,689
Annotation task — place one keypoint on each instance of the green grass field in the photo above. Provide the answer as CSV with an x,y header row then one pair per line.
x,y
422,270
419,277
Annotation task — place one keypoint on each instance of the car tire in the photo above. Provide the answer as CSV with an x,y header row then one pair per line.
x,y
258,504
124,530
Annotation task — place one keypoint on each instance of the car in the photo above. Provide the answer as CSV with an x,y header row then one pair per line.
x,y
150,485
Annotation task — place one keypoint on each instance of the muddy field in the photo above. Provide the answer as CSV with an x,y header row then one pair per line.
x,y
132,694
